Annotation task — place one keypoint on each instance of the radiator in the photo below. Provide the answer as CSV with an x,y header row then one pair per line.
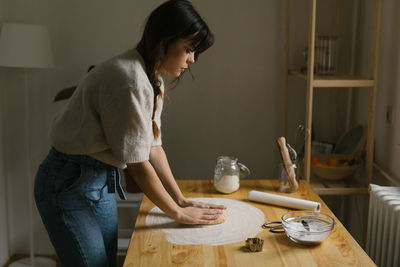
x,y
383,232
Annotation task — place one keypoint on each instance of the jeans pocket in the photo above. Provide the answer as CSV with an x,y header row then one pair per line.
x,y
94,194
96,187
69,177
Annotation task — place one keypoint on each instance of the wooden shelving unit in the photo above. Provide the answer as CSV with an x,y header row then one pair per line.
x,y
345,187
324,187
334,81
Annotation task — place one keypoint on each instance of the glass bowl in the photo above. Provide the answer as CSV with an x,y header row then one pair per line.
x,y
307,227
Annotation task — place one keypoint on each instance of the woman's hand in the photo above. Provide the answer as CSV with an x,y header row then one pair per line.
x,y
190,203
196,215
195,212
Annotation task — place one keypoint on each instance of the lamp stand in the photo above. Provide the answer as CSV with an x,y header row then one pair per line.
x,y
29,171
27,46
33,260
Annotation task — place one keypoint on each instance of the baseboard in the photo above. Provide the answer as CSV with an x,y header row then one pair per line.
x,y
17,257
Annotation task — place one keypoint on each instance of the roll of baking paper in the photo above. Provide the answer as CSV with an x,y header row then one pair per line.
x,y
283,201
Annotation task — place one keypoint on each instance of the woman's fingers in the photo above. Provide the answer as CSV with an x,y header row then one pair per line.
x,y
207,206
198,204
211,217
213,206
212,211
195,215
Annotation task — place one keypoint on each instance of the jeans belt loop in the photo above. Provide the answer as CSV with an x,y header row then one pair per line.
x,y
111,181
114,181
118,184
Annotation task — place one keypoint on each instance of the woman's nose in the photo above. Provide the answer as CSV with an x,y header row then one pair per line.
x,y
190,58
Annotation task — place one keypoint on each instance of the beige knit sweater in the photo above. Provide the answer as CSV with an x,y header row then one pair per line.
x,y
109,115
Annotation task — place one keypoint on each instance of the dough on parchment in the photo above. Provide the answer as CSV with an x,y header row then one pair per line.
x,y
221,219
235,229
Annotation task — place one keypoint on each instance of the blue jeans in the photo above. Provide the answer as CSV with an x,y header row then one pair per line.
x,y
75,198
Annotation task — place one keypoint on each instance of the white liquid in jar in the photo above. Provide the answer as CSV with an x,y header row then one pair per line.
x,y
227,184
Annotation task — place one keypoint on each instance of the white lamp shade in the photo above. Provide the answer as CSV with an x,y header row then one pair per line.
x,y
25,46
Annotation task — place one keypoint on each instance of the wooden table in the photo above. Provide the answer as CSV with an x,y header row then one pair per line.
x,y
150,248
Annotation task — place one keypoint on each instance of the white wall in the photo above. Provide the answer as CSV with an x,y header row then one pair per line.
x,y
233,105
387,135
3,198
4,252
231,108
387,147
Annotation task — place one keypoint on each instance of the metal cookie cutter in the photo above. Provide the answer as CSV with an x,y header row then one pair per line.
x,y
274,227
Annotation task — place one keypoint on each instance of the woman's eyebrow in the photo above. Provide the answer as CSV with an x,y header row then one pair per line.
x,y
189,45
188,42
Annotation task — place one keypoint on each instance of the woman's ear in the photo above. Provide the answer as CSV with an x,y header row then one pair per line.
x,y
159,56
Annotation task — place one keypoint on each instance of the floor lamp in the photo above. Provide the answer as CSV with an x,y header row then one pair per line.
x,y
26,46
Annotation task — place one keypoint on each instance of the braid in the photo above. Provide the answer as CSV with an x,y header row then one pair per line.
x,y
151,67
155,82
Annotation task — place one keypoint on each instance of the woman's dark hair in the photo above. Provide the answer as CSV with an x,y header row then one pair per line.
x,y
171,21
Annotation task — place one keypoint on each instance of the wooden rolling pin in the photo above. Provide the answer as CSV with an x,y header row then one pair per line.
x,y
287,162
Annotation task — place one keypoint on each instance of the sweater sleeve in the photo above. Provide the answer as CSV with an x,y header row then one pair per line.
x,y
127,125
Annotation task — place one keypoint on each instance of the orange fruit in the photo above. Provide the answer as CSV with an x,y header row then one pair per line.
x,y
314,160
333,162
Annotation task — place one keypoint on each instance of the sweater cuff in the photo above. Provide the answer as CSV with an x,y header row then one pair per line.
x,y
139,153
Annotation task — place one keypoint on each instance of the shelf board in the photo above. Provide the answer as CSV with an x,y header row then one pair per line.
x,y
334,80
341,187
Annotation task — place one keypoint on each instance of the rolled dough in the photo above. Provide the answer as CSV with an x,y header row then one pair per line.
x,y
221,219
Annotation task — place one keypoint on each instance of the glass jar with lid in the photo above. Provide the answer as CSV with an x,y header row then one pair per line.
x,y
227,174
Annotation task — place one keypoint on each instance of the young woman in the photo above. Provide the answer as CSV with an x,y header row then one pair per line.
x,y
113,122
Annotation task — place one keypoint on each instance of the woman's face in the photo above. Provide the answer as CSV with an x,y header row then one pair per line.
x,y
178,58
